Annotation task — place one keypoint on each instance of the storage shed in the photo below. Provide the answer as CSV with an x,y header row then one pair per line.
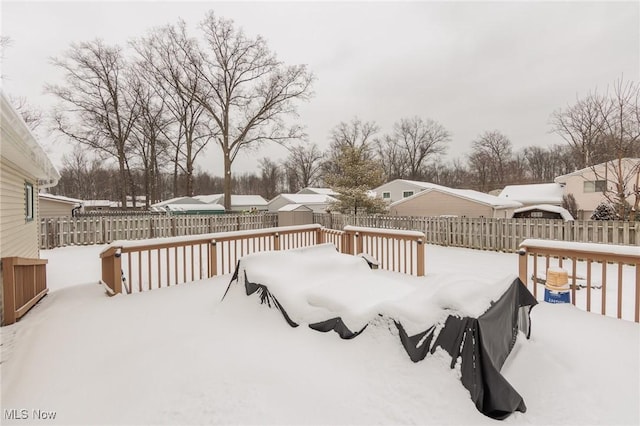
x,y
295,214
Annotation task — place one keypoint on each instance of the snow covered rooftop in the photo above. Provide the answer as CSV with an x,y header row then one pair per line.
x,y
236,200
324,191
176,207
178,200
293,207
468,194
541,193
308,198
60,198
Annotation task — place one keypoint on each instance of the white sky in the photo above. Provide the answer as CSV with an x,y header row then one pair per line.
x,y
471,66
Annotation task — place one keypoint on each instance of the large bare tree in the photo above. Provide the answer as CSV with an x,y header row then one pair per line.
x,y
303,166
165,66
419,140
97,109
245,89
491,154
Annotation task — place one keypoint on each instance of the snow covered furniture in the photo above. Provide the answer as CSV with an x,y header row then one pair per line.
x,y
475,321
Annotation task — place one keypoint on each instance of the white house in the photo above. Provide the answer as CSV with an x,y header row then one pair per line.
x,y
319,203
588,185
24,169
401,188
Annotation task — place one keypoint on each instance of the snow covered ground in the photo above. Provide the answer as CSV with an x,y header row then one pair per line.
x,y
180,356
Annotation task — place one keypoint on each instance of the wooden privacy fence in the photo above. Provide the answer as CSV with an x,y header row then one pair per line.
x,y
608,273
63,231
24,283
135,266
493,234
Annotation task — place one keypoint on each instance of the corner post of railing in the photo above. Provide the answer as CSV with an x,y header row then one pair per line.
x,y
523,265
347,242
421,259
320,235
9,295
276,241
359,243
213,258
112,269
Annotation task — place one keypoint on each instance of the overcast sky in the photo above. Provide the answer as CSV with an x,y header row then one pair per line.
x,y
472,66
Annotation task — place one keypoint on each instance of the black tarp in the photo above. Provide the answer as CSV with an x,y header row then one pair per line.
x,y
481,344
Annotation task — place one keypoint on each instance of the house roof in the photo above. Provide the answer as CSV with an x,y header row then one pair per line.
x,y
325,191
469,194
99,203
549,208
190,207
59,198
561,179
541,193
307,198
20,147
294,207
236,200
179,200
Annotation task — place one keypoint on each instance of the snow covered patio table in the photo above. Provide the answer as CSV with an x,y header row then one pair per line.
x,y
476,322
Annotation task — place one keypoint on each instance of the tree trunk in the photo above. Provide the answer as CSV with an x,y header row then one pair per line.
x,y
227,181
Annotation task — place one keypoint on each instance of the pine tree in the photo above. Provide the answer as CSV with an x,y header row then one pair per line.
x,y
604,211
353,175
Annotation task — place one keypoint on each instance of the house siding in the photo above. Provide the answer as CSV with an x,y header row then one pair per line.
x,y
18,237
52,208
395,188
588,201
435,203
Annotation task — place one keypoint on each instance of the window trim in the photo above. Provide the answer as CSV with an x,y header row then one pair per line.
x,y
386,195
404,194
29,202
593,186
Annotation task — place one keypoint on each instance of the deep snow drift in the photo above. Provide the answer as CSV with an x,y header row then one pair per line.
x,y
179,356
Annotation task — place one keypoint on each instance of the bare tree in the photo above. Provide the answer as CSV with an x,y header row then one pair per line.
x,y
98,110
491,153
245,89
303,166
419,140
271,178
582,127
164,65
356,135
31,115
392,158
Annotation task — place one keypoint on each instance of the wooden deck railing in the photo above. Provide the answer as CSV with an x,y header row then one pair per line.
x,y
24,283
590,268
399,251
134,266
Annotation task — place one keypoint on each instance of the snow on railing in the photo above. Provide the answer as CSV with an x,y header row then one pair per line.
x,y
600,269
129,266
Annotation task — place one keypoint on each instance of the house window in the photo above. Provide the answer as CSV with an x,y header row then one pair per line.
x,y
595,186
386,195
406,194
29,205
536,214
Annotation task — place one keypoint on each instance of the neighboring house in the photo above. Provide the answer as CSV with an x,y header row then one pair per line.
x,y
401,188
539,193
588,185
239,203
443,201
50,205
24,169
319,203
187,205
322,191
543,211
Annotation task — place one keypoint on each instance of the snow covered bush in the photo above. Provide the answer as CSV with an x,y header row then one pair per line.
x,y
604,211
